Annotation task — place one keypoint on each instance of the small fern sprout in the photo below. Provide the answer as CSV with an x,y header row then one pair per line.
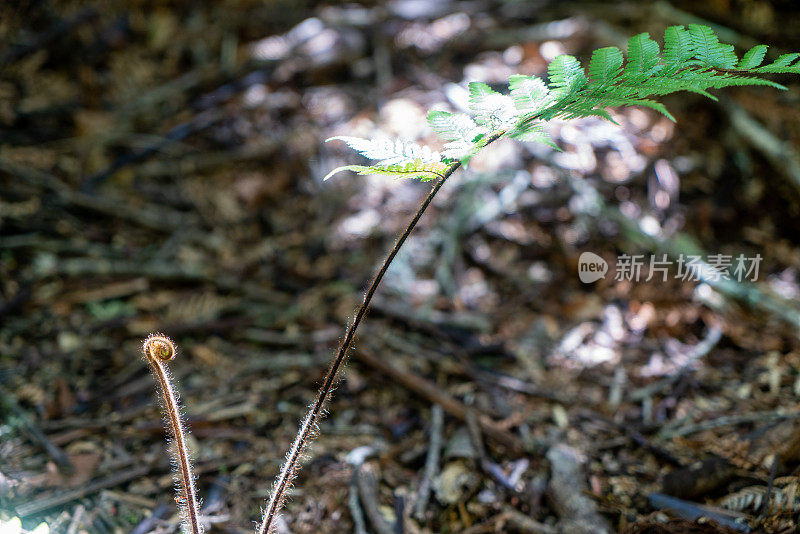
x,y
158,349
692,60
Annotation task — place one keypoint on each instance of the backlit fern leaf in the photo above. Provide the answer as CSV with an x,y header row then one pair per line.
x,y
460,130
412,169
566,77
389,152
533,133
395,158
530,94
693,60
491,108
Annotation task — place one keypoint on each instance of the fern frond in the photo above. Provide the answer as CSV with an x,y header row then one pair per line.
x,y
460,130
452,126
677,45
693,60
566,77
491,108
642,56
782,65
478,92
753,57
532,132
412,169
708,50
530,94
605,65
389,152
395,158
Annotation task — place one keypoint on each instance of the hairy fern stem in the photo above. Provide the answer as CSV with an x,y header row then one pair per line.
x,y
158,350
310,421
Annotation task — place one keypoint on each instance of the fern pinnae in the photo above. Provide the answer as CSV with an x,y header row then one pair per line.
x,y
752,58
159,349
399,159
677,45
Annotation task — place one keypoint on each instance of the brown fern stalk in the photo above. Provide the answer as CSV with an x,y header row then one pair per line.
x,y
159,349
308,426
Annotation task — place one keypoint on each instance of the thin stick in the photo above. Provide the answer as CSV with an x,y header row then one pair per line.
x,y
431,392
158,350
431,462
94,486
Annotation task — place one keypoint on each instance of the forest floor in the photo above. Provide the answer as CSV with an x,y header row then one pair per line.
x,y
160,171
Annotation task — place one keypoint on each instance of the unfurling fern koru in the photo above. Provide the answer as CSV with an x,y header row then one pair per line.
x,y
158,350
693,60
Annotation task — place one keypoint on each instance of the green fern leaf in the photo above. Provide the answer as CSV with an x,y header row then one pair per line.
x,y
642,55
453,126
412,169
566,76
389,152
605,65
678,46
460,130
652,104
478,92
782,65
708,49
532,132
490,107
693,60
752,58
355,168
530,94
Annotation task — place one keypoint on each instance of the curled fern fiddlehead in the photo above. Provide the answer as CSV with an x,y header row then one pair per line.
x,y
159,349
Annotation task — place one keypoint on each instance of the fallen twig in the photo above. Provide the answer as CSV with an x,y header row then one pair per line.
x,y
781,154
431,461
693,511
9,404
60,499
435,395
526,525
368,493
